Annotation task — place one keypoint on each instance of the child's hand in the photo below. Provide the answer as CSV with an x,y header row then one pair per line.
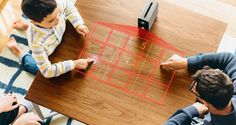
x,y
7,102
82,63
82,29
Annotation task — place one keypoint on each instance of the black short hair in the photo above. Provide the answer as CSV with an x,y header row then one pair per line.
x,y
37,10
214,86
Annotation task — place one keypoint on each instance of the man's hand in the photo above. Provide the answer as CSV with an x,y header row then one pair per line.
x,y
28,119
82,63
6,102
82,29
202,109
175,62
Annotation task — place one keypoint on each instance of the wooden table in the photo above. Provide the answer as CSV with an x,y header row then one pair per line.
x,y
91,101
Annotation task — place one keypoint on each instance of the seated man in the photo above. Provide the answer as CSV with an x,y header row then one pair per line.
x,y
13,113
213,86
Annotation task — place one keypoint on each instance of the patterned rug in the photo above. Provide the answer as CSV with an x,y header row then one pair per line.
x,y
14,78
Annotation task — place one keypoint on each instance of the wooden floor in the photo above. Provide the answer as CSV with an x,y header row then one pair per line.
x,y
231,2
9,14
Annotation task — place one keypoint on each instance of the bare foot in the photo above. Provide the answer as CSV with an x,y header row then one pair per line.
x,y
13,46
20,25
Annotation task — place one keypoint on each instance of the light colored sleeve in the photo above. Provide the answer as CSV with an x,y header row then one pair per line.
x,y
71,13
48,69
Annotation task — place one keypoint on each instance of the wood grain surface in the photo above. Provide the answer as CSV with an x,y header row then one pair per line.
x,y
94,102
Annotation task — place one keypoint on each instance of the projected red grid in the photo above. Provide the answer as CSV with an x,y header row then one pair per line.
x,y
128,59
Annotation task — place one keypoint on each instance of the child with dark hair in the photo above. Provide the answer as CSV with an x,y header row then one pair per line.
x,y
44,33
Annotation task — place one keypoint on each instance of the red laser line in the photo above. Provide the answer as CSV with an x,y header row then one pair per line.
x,y
157,64
133,74
89,37
104,45
146,88
153,81
142,33
124,89
117,66
148,39
162,100
119,48
119,56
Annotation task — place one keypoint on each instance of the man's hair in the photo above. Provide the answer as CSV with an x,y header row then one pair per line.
x,y
214,86
37,10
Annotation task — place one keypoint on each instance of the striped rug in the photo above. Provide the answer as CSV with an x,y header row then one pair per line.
x,y
14,78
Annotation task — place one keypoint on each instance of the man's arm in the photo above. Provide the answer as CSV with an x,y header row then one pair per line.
x,y
185,116
223,61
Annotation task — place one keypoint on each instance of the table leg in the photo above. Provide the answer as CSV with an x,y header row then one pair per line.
x,y
39,112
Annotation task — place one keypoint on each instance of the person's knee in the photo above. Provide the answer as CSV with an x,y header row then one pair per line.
x,y
29,64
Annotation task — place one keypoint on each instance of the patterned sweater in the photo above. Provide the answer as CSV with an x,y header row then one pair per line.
x,y
43,41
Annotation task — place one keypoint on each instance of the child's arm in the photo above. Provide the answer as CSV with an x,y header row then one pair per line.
x,y
74,17
47,69
71,13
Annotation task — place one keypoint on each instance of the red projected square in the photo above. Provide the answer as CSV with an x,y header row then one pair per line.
x,y
156,91
128,59
101,71
109,54
117,38
119,77
138,84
